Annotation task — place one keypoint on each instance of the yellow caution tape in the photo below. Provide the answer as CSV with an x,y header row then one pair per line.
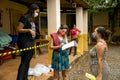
x,y
25,49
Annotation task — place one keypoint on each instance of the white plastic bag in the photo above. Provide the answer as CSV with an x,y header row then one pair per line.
x,y
30,71
38,70
51,69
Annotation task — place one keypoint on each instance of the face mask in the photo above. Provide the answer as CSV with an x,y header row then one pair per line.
x,y
62,33
35,14
94,36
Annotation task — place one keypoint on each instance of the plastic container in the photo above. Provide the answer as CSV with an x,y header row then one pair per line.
x,y
90,76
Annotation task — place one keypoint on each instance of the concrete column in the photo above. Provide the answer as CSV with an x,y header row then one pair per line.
x,y
85,30
53,12
79,18
79,23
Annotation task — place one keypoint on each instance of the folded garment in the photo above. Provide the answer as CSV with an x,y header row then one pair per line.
x,y
5,39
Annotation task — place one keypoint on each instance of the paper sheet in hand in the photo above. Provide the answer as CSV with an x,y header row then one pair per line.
x,y
68,45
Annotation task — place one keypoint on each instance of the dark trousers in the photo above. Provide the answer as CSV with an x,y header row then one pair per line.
x,y
75,48
25,61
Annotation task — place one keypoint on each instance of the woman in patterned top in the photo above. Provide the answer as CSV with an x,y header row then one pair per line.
x,y
98,54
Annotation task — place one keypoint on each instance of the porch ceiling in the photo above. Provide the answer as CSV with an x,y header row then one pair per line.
x,y
65,4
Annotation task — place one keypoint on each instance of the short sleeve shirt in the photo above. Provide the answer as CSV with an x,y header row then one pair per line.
x,y
27,25
73,32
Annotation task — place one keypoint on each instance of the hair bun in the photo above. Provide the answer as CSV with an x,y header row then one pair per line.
x,y
108,33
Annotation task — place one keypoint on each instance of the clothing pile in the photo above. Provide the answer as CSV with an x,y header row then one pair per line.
x,y
5,40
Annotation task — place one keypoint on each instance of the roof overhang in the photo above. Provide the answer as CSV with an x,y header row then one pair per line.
x,y
66,5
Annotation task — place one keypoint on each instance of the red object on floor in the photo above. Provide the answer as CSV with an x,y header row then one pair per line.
x,y
8,56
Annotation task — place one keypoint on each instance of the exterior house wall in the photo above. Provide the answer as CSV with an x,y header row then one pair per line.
x,y
101,18
5,6
63,18
63,21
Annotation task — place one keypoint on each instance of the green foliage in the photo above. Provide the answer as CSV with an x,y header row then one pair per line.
x,y
102,5
94,10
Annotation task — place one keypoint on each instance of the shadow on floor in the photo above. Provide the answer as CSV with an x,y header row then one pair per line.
x,y
50,78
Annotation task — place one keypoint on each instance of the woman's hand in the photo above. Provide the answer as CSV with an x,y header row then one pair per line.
x,y
62,44
99,78
32,32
